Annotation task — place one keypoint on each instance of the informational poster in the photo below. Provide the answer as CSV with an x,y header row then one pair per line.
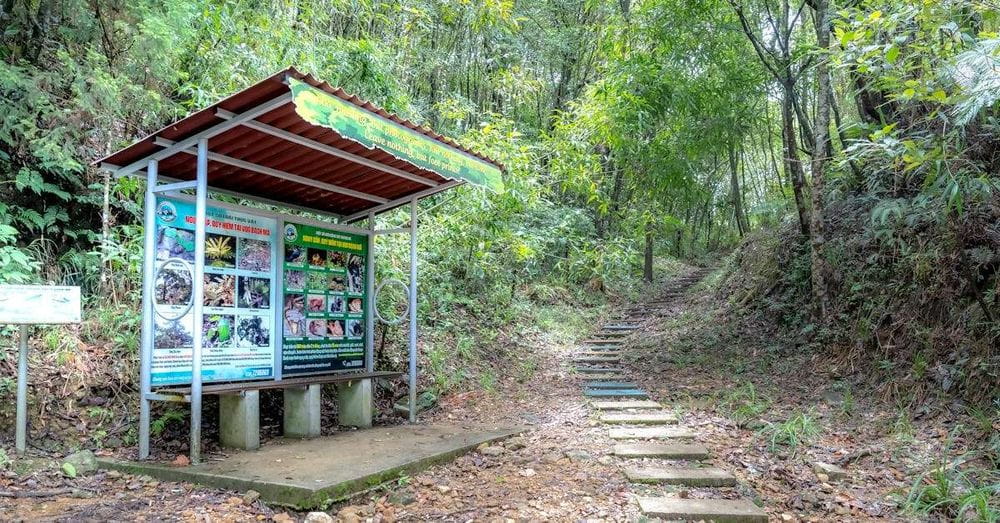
x,y
39,304
238,340
323,319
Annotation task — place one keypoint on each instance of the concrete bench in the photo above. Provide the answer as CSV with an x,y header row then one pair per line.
x,y
239,405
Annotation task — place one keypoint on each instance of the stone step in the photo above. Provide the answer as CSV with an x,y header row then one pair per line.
x,y
718,510
643,418
615,393
599,354
594,341
601,347
597,370
688,451
597,359
605,376
625,405
651,433
609,385
620,327
687,476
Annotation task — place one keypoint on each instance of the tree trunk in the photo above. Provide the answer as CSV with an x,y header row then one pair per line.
x,y
792,163
737,195
819,161
647,266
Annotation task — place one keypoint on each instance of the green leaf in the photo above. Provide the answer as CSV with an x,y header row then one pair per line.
x,y
892,54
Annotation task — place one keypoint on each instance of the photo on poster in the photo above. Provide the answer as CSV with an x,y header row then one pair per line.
x,y
317,328
254,255
337,305
220,251
355,274
220,290
295,280
255,293
355,305
253,331
317,258
295,254
174,334
335,261
337,283
174,243
335,328
316,303
173,285
355,329
294,315
316,281
217,330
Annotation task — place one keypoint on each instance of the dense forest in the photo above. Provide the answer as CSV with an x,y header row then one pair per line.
x,y
837,160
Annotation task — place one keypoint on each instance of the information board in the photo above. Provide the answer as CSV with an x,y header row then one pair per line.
x,y
39,304
238,338
323,300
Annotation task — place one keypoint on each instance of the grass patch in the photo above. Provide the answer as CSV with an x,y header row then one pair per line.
x,y
972,495
798,430
743,404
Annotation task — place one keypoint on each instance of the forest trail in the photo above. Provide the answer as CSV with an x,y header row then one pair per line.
x,y
651,448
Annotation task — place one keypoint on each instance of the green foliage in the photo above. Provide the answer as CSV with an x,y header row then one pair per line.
x,y
800,429
744,404
963,495
161,423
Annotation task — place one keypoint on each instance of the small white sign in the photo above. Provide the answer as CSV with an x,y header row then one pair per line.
x,y
42,304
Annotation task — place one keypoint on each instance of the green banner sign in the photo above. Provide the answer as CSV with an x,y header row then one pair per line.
x,y
371,130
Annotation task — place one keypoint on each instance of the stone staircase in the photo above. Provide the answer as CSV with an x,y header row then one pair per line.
x,y
655,452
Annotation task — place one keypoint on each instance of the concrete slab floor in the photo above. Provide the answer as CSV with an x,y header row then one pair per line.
x,y
308,474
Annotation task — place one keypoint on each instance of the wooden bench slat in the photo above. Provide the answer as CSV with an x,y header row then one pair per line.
x,y
223,388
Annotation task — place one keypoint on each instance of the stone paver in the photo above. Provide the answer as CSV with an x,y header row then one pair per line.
x,y
686,476
718,510
596,370
643,418
626,404
609,385
686,451
615,393
651,433
597,359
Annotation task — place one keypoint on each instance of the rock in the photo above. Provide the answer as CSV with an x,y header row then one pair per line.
x,y
444,489
492,451
831,471
349,515
84,462
605,460
527,473
578,455
282,517
515,443
402,497
250,496
318,517
822,477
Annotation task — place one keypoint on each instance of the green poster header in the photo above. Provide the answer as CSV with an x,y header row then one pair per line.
x,y
371,130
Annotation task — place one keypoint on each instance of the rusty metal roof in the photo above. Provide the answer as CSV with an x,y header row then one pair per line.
x,y
278,156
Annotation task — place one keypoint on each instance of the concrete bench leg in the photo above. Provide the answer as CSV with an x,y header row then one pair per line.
x,y
302,411
239,420
356,403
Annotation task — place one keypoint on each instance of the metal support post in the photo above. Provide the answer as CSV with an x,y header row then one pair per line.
x,y
21,435
413,310
148,270
370,298
201,195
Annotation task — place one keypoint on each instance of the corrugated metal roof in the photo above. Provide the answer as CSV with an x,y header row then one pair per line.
x,y
245,144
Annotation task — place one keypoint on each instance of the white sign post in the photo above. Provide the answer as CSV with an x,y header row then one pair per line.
x,y
25,305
